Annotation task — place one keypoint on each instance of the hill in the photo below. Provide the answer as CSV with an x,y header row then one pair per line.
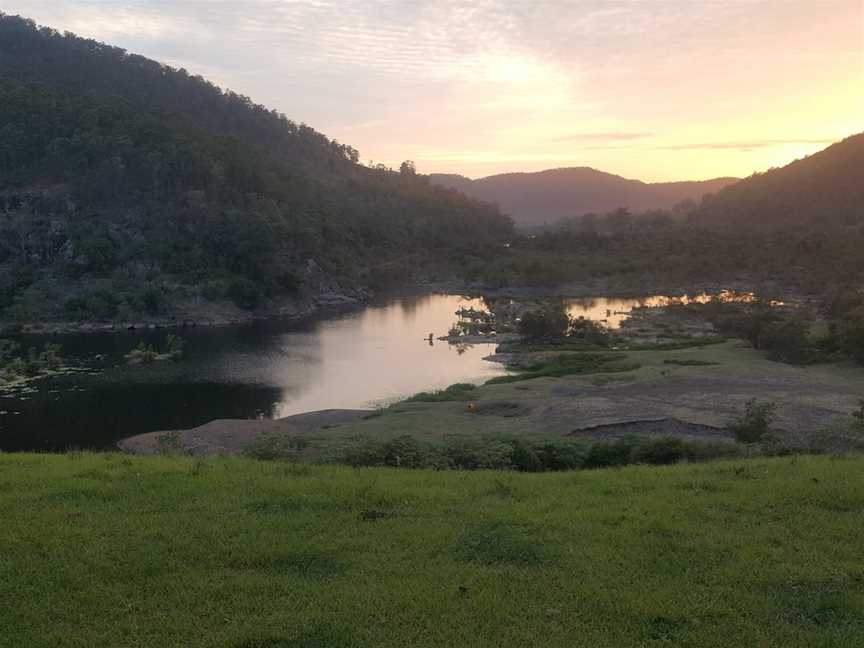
x,y
178,551
825,189
548,196
128,189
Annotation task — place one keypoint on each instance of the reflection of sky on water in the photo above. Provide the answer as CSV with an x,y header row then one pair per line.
x,y
613,311
271,369
381,354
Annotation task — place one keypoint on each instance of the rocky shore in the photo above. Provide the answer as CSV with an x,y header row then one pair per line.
x,y
200,313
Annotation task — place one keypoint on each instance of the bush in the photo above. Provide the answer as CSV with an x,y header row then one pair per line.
x,y
33,363
661,451
608,454
174,346
150,300
245,294
589,331
787,341
549,322
457,392
858,416
524,458
754,423
525,455
142,354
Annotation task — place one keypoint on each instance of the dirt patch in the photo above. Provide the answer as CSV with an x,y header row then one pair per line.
x,y
231,436
659,427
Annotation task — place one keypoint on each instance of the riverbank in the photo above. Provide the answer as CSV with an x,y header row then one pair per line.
x,y
693,392
115,551
617,286
202,313
199,312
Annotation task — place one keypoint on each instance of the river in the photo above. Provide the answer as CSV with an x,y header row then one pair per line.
x,y
360,359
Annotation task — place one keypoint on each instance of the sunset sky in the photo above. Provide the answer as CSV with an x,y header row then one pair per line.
x,y
650,89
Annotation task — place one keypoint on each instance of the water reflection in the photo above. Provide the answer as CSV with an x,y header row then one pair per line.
x,y
375,355
272,369
92,417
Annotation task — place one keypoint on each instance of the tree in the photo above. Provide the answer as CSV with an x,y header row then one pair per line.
x,y
550,322
407,169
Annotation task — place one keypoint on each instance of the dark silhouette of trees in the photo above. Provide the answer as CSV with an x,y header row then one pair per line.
x,y
113,165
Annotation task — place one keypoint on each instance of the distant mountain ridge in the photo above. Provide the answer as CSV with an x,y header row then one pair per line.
x,y
547,196
823,189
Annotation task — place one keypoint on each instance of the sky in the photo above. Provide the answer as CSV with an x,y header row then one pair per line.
x,y
650,89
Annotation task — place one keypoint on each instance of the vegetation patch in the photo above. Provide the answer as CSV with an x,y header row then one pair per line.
x,y
320,636
457,392
601,555
304,564
501,408
497,544
274,447
569,364
17,366
147,353
689,362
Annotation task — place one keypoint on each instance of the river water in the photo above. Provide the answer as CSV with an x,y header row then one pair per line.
x,y
360,359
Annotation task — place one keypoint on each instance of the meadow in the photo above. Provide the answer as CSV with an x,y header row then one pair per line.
x,y
115,550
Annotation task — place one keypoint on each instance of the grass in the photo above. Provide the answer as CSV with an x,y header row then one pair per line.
x,y
569,364
555,405
455,392
108,550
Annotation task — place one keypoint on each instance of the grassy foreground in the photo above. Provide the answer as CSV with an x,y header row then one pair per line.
x,y
109,550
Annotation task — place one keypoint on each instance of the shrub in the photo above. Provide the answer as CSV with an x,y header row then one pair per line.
x,y
606,454
561,455
150,300
457,392
589,331
524,458
661,451
245,294
858,415
32,364
142,354
525,455
170,443
174,346
787,341
754,423
550,322
100,305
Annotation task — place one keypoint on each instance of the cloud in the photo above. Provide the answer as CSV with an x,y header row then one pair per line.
x,y
747,145
602,137
502,79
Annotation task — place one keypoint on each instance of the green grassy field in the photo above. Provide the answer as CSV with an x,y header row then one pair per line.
x,y
110,550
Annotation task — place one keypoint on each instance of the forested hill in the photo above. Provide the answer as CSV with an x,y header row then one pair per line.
x,y
825,189
548,196
128,187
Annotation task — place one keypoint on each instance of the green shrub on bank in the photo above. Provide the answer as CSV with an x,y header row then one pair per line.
x,y
755,423
147,353
456,392
15,364
523,455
